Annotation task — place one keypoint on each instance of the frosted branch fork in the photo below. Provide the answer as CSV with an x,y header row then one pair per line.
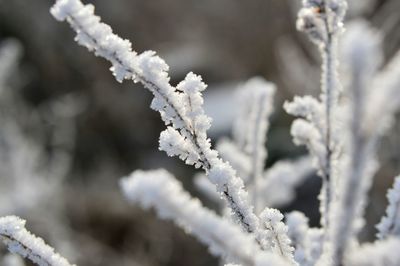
x,y
159,189
187,136
322,20
128,65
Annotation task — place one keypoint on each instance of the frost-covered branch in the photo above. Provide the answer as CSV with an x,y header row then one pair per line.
x,y
390,224
297,224
361,47
259,94
322,21
278,183
255,102
250,132
246,152
277,232
310,109
306,132
306,241
314,246
161,190
19,240
180,107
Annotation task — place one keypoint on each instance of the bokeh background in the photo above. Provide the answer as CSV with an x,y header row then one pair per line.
x,y
69,131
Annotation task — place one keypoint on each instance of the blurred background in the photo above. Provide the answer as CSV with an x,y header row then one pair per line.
x,y
69,131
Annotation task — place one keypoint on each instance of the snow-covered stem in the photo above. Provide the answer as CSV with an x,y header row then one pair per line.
x,y
277,186
297,224
260,133
257,94
309,108
22,242
309,129
306,241
277,232
390,224
361,49
329,84
147,68
159,189
314,246
383,252
180,107
323,22
246,152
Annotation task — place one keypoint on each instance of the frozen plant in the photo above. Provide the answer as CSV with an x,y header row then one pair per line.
x,y
159,189
372,101
340,132
246,151
346,165
322,21
22,242
180,108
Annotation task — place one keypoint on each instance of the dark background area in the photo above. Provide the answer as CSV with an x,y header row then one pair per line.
x,y
225,41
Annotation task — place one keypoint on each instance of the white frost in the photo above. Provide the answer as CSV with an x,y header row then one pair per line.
x,y
277,232
21,241
159,189
180,107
